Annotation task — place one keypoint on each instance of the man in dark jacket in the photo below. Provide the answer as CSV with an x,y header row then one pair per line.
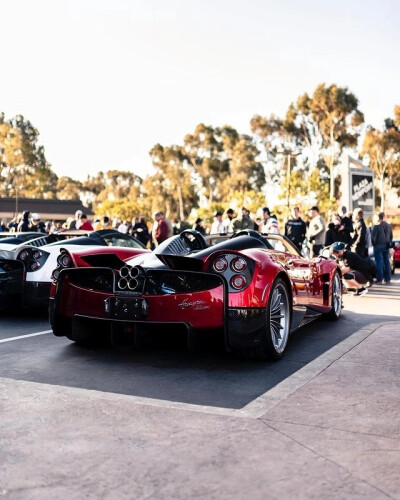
x,y
360,231
37,225
295,228
381,237
25,225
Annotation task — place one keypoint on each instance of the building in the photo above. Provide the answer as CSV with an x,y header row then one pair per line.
x,y
58,210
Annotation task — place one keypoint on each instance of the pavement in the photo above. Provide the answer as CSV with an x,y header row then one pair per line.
x,y
331,430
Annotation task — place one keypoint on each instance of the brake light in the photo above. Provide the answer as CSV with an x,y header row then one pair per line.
x,y
220,265
238,264
23,255
36,254
34,266
55,274
238,282
64,260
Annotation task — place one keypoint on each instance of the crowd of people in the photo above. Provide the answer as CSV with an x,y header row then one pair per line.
x,y
346,234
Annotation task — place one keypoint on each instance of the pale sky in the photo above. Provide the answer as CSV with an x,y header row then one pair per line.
x,y
105,80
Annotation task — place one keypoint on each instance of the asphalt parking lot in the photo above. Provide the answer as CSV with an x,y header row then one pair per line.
x,y
121,423
29,351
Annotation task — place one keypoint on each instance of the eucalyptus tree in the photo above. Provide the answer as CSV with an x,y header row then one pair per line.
x,y
176,169
205,150
382,148
332,114
24,170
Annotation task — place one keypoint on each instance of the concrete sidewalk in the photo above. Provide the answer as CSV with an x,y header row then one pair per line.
x,y
337,435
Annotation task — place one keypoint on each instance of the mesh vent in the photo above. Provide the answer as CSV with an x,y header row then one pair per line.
x,y
171,283
101,280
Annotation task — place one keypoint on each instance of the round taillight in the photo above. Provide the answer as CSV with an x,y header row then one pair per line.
x,y
64,260
238,264
238,282
23,255
36,254
55,274
220,265
34,266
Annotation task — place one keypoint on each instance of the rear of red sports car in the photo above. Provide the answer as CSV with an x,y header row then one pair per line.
x,y
241,287
224,290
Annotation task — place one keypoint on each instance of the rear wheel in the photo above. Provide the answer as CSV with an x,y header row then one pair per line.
x,y
336,299
275,334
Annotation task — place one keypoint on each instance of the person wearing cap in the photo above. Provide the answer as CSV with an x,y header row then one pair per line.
x,y
37,225
228,221
198,226
76,222
316,231
217,227
354,268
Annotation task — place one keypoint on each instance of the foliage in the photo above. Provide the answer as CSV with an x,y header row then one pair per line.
x,y
123,209
382,147
24,170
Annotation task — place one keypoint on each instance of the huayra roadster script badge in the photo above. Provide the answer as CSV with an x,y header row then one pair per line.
x,y
197,305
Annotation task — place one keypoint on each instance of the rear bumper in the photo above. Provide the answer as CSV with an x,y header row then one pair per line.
x,y
75,306
11,284
36,294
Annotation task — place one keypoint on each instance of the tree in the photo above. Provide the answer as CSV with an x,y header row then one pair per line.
x,y
383,150
204,150
24,170
68,188
245,171
174,170
331,112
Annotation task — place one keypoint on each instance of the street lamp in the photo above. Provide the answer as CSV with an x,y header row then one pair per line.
x,y
289,155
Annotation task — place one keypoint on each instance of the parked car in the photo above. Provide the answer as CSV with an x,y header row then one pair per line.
x,y
252,289
396,252
26,269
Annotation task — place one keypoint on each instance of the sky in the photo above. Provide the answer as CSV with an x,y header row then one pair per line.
x,y
105,80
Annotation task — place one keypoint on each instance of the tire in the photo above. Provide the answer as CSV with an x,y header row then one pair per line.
x,y
275,333
336,298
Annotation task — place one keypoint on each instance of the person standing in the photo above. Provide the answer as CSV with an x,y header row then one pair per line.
x,y
228,221
85,224
37,224
360,233
245,222
381,237
217,227
75,223
161,231
295,228
140,230
198,226
316,231
269,224
25,225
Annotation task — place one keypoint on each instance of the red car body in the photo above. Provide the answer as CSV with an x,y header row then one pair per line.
x,y
396,247
254,294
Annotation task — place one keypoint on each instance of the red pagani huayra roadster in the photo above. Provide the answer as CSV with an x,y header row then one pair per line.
x,y
255,289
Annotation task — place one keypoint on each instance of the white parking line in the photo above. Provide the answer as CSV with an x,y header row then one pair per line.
x,y
25,336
